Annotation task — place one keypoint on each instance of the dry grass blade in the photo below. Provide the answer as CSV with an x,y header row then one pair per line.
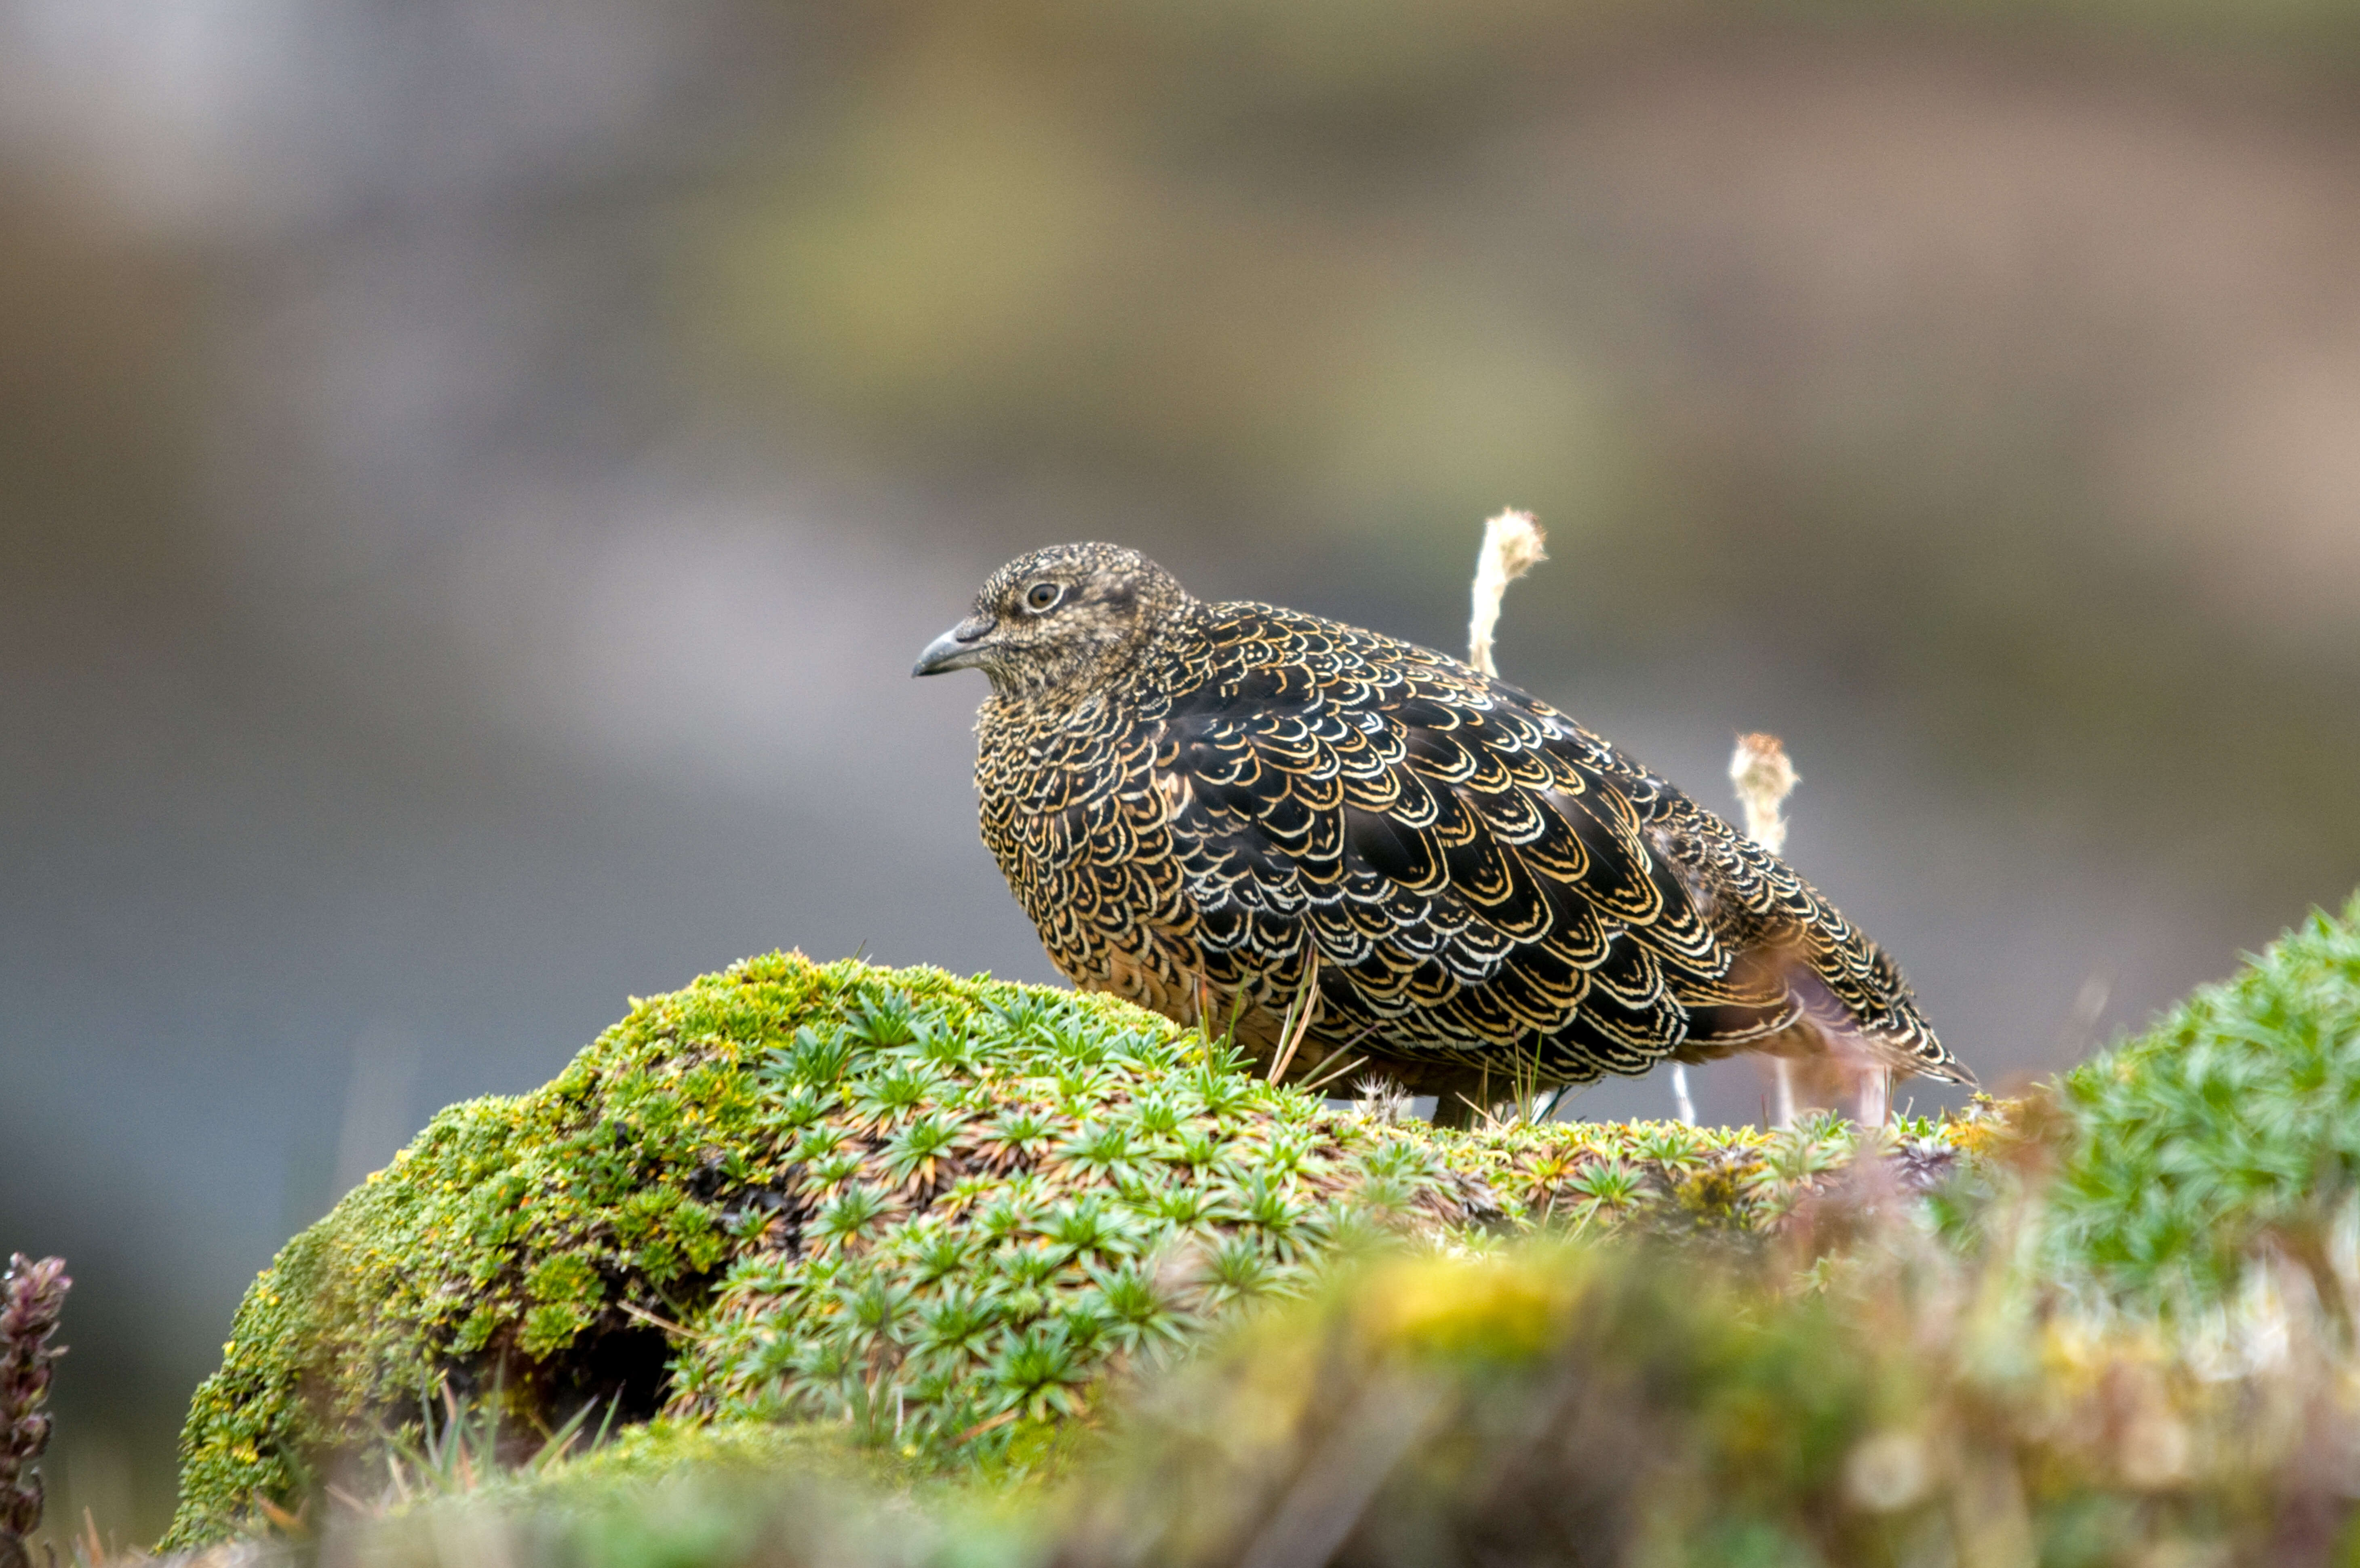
x,y
1319,1073
656,1320
1318,1081
1298,1023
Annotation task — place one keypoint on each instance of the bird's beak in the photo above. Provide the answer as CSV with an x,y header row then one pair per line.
x,y
960,648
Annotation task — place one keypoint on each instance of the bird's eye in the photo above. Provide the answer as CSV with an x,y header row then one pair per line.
x,y
1043,595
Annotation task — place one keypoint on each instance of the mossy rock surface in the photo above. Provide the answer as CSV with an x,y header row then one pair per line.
x,y
941,1213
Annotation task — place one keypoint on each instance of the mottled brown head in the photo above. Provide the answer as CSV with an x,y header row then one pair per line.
x,y
1060,621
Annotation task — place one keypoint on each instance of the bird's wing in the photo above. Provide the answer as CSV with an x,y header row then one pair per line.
x,y
1477,873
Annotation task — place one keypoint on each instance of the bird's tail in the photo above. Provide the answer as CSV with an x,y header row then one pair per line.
x,y
1900,1041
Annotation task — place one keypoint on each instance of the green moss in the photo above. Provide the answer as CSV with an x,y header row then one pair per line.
x,y
532,1244
251,1425
990,1223
525,1241
942,1213
2229,1128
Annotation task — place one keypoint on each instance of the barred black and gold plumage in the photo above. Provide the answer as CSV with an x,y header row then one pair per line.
x,y
1228,805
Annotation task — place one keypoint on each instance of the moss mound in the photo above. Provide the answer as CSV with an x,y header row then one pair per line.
x,y
2227,1132
939,1213
863,1235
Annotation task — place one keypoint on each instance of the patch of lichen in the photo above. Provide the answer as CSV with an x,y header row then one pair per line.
x,y
943,1213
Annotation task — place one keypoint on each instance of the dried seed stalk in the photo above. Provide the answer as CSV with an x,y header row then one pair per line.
x,y
1512,546
31,1296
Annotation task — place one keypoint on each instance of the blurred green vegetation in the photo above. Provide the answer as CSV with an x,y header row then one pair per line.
x,y
2228,1130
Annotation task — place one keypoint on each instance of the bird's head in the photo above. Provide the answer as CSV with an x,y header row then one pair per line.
x,y
1060,621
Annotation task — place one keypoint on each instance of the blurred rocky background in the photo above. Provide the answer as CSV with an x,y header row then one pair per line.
x,y
474,475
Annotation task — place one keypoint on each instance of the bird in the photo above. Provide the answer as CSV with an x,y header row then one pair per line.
x,y
1333,841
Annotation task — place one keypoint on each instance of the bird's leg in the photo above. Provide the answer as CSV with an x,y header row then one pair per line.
x,y
1875,1095
1687,1107
1785,1070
